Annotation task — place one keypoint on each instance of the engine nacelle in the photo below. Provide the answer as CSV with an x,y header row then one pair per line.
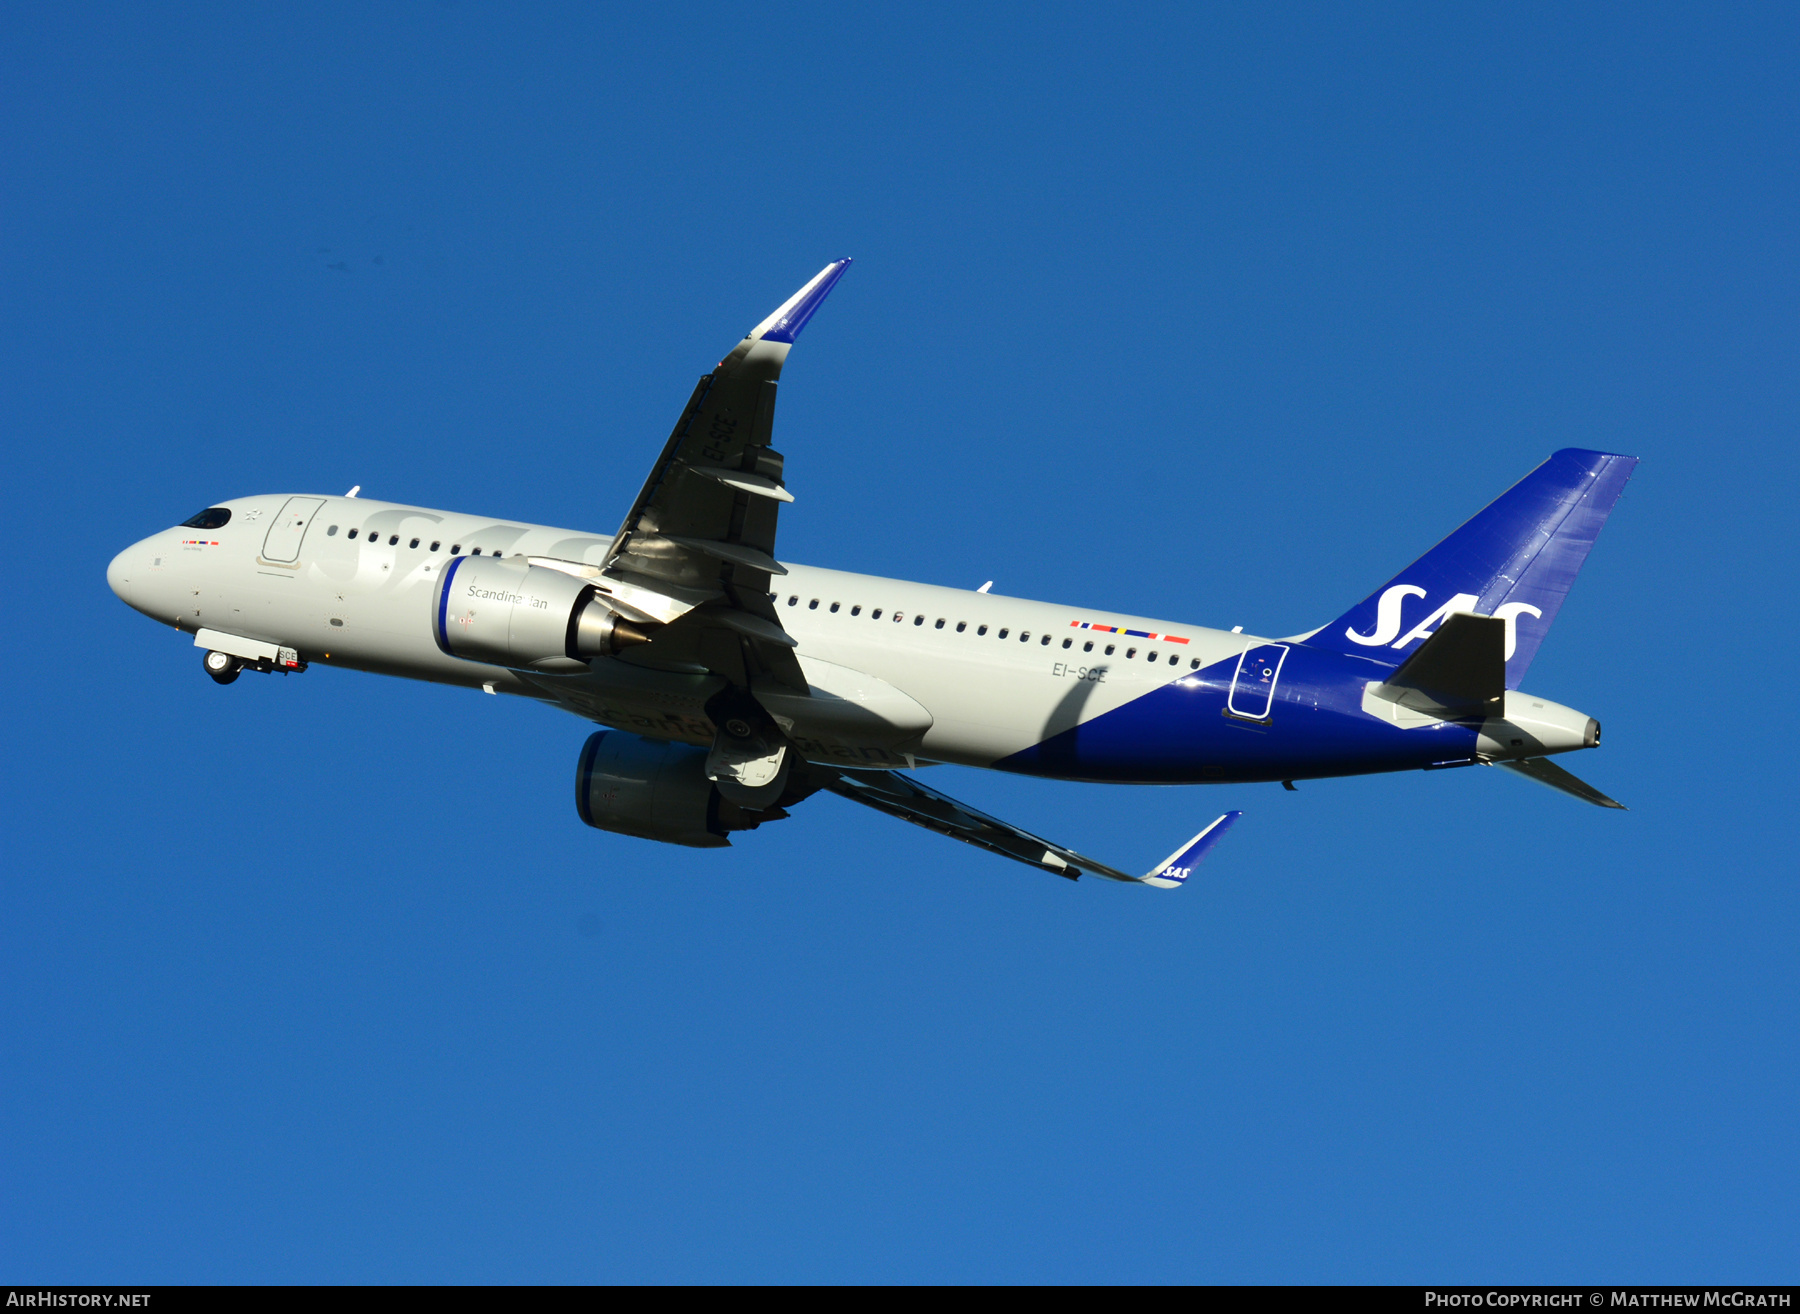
x,y
511,613
656,791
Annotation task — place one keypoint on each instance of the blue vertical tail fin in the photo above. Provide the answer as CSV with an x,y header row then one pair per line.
x,y
1515,559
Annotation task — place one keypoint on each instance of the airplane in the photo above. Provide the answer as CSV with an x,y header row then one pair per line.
x,y
731,686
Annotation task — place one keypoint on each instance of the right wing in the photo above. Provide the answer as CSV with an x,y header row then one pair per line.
x,y
903,797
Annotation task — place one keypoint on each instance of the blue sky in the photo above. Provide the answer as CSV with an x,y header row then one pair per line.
x,y
1183,311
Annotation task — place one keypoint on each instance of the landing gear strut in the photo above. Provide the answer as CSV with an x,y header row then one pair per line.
x,y
222,666
750,757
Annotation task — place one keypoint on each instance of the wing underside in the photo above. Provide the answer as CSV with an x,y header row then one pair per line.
x,y
694,559
903,797
697,549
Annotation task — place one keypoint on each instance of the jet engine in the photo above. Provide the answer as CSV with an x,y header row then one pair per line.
x,y
657,791
511,613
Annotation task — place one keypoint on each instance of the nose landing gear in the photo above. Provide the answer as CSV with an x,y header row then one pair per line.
x,y
222,666
226,667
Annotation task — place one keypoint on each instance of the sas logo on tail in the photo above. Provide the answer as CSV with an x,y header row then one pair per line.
x,y
1388,619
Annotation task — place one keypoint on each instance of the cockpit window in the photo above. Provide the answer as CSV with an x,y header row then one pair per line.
x,y
214,517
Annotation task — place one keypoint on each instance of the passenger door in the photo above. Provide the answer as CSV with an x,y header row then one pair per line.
x,y
283,541
1253,686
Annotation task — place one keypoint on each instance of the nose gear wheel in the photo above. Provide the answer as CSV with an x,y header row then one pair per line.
x,y
222,666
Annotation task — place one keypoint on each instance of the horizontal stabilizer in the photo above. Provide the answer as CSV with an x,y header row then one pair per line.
x,y
1546,772
1181,863
1460,671
903,797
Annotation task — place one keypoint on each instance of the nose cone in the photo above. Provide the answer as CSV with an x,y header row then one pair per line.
x,y
139,578
118,575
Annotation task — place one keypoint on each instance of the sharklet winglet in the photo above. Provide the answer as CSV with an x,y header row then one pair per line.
x,y
787,321
1174,870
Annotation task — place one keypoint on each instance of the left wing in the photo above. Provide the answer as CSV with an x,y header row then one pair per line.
x,y
696,551
903,797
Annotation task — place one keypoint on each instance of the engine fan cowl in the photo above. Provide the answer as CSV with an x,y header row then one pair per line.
x,y
656,790
511,613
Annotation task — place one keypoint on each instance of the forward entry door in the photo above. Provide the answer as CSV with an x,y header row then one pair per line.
x,y
1253,687
283,542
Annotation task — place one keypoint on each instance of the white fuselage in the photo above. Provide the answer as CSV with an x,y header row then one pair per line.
x,y
960,676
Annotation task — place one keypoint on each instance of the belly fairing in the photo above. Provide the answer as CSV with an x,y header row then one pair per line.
x,y
1186,732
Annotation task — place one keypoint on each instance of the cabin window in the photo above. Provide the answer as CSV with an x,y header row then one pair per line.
x,y
1109,650
393,540
899,616
214,517
332,532
1174,659
961,626
1129,652
436,544
876,614
455,548
813,605
474,552
834,606
1045,641
1088,646
1151,657
352,533
856,610
793,599
1024,636
1003,632
414,543
940,624
981,629
1194,664
920,619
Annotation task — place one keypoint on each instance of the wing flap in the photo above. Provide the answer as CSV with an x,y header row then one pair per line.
x,y
742,553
